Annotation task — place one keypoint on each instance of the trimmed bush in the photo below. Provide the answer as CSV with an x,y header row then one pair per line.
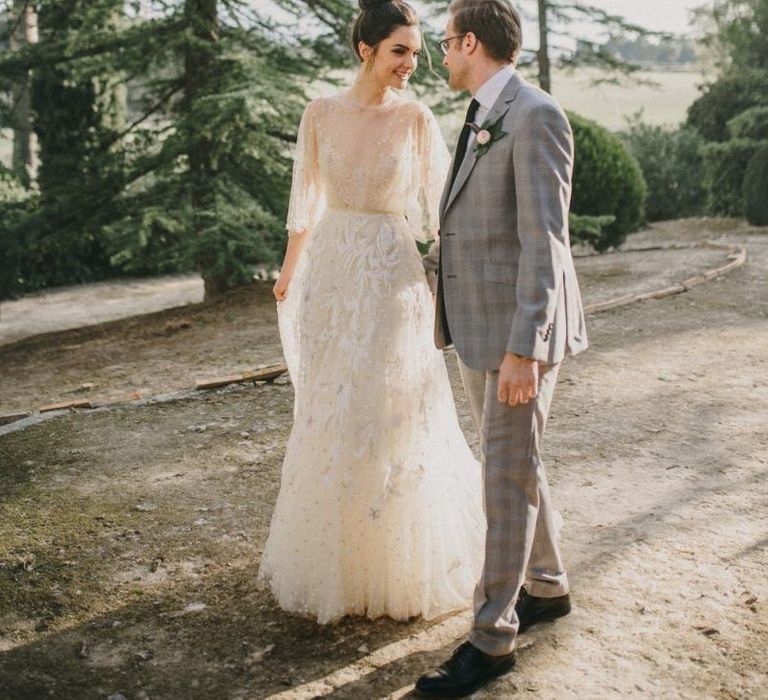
x,y
723,100
724,167
607,181
671,165
588,229
750,124
756,188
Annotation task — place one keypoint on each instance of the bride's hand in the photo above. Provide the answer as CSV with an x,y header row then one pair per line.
x,y
280,290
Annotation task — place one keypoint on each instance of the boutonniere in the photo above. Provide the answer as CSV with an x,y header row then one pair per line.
x,y
487,134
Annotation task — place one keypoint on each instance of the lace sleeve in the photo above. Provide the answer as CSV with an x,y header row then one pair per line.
x,y
434,160
307,198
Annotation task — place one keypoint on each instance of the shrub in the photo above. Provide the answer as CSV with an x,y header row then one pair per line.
x,y
11,188
756,188
13,196
671,165
724,99
607,181
750,124
588,229
724,167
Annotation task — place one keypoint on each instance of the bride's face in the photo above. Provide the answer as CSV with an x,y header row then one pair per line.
x,y
397,57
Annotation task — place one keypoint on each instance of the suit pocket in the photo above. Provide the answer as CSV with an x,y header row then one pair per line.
x,y
494,272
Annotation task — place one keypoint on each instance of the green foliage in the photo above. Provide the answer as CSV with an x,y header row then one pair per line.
x,y
72,129
557,20
588,229
607,181
12,190
672,167
724,167
735,33
726,98
198,175
14,197
750,124
756,188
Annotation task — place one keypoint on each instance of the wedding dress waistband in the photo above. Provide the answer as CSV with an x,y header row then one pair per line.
x,y
364,212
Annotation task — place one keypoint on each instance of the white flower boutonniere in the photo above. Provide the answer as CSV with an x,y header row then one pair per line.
x,y
487,134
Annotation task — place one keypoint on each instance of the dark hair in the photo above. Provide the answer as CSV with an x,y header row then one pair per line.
x,y
378,19
495,23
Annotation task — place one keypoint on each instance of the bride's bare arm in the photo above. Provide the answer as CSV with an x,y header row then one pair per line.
x,y
296,243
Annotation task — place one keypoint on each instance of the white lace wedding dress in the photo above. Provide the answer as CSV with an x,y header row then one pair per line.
x,y
380,505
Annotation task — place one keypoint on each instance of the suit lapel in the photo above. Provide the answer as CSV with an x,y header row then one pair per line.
x,y
501,105
446,190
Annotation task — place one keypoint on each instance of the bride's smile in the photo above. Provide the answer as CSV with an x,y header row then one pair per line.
x,y
390,64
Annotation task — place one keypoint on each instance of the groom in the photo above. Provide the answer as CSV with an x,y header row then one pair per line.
x,y
508,299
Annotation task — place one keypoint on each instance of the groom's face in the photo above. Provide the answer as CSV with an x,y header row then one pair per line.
x,y
455,60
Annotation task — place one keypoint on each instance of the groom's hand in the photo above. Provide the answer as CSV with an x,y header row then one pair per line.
x,y
518,380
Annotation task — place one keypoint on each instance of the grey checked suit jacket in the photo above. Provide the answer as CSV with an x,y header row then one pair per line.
x,y
505,277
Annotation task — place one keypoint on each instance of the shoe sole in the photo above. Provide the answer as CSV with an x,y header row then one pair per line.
x,y
502,669
545,617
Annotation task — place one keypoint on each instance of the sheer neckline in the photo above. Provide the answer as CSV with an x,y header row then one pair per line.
x,y
393,100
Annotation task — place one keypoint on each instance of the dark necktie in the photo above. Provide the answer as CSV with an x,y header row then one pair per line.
x,y
461,148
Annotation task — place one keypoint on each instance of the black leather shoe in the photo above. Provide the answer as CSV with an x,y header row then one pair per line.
x,y
466,671
531,609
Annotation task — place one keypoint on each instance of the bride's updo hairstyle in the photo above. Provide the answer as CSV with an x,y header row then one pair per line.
x,y
378,19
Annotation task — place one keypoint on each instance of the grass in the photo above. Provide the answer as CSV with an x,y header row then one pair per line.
x,y
611,105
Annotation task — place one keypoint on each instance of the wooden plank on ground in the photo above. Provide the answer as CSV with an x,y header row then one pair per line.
x,y
65,404
217,382
13,417
261,374
266,374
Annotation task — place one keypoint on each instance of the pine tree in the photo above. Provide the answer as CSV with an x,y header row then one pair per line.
x,y
555,19
74,119
198,177
735,34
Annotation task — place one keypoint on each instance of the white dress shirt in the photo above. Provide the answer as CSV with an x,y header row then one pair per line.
x,y
488,93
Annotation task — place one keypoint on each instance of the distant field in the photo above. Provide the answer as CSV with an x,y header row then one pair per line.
x,y
608,105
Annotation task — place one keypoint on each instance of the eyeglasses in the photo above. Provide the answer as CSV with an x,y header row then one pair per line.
x,y
445,44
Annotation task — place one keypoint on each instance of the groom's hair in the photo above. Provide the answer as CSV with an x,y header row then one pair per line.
x,y
495,23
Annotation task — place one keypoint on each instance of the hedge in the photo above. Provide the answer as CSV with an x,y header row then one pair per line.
x,y
607,181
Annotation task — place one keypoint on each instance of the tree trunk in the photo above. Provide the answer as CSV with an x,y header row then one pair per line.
x,y
24,162
545,79
112,90
199,62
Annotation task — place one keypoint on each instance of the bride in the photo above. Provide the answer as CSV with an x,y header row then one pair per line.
x,y
380,504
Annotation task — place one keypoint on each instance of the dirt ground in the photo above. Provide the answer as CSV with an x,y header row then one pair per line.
x,y
124,351
130,536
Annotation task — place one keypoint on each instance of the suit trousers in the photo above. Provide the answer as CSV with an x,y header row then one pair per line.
x,y
522,537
